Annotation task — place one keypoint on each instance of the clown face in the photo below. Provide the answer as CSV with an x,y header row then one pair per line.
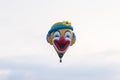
x,y
62,40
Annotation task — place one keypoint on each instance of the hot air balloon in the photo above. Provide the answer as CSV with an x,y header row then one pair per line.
x,y
61,36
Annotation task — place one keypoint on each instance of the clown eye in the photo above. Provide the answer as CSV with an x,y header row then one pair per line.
x,y
56,34
67,35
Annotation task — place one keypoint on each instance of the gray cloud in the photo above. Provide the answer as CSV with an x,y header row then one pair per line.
x,y
35,71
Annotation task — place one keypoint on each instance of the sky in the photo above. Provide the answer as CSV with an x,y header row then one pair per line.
x,y
26,55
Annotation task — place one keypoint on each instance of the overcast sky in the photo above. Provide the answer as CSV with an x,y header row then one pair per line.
x,y
26,55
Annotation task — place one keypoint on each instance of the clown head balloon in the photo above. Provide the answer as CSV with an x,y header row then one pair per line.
x,y
61,36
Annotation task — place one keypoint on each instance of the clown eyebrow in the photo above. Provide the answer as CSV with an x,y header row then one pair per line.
x,y
67,31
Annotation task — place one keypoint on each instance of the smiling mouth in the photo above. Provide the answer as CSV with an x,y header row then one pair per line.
x,y
61,46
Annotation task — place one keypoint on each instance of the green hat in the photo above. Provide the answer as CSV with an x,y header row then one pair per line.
x,y
60,25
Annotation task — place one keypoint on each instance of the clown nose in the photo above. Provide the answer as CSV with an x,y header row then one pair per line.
x,y
62,40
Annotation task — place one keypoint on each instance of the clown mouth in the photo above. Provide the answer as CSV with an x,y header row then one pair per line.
x,y
61,46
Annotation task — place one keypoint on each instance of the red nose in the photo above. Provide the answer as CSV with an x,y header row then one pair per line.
x,y
62,40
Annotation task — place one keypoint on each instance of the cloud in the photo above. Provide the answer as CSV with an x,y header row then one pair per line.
x,y
98,66
4,72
